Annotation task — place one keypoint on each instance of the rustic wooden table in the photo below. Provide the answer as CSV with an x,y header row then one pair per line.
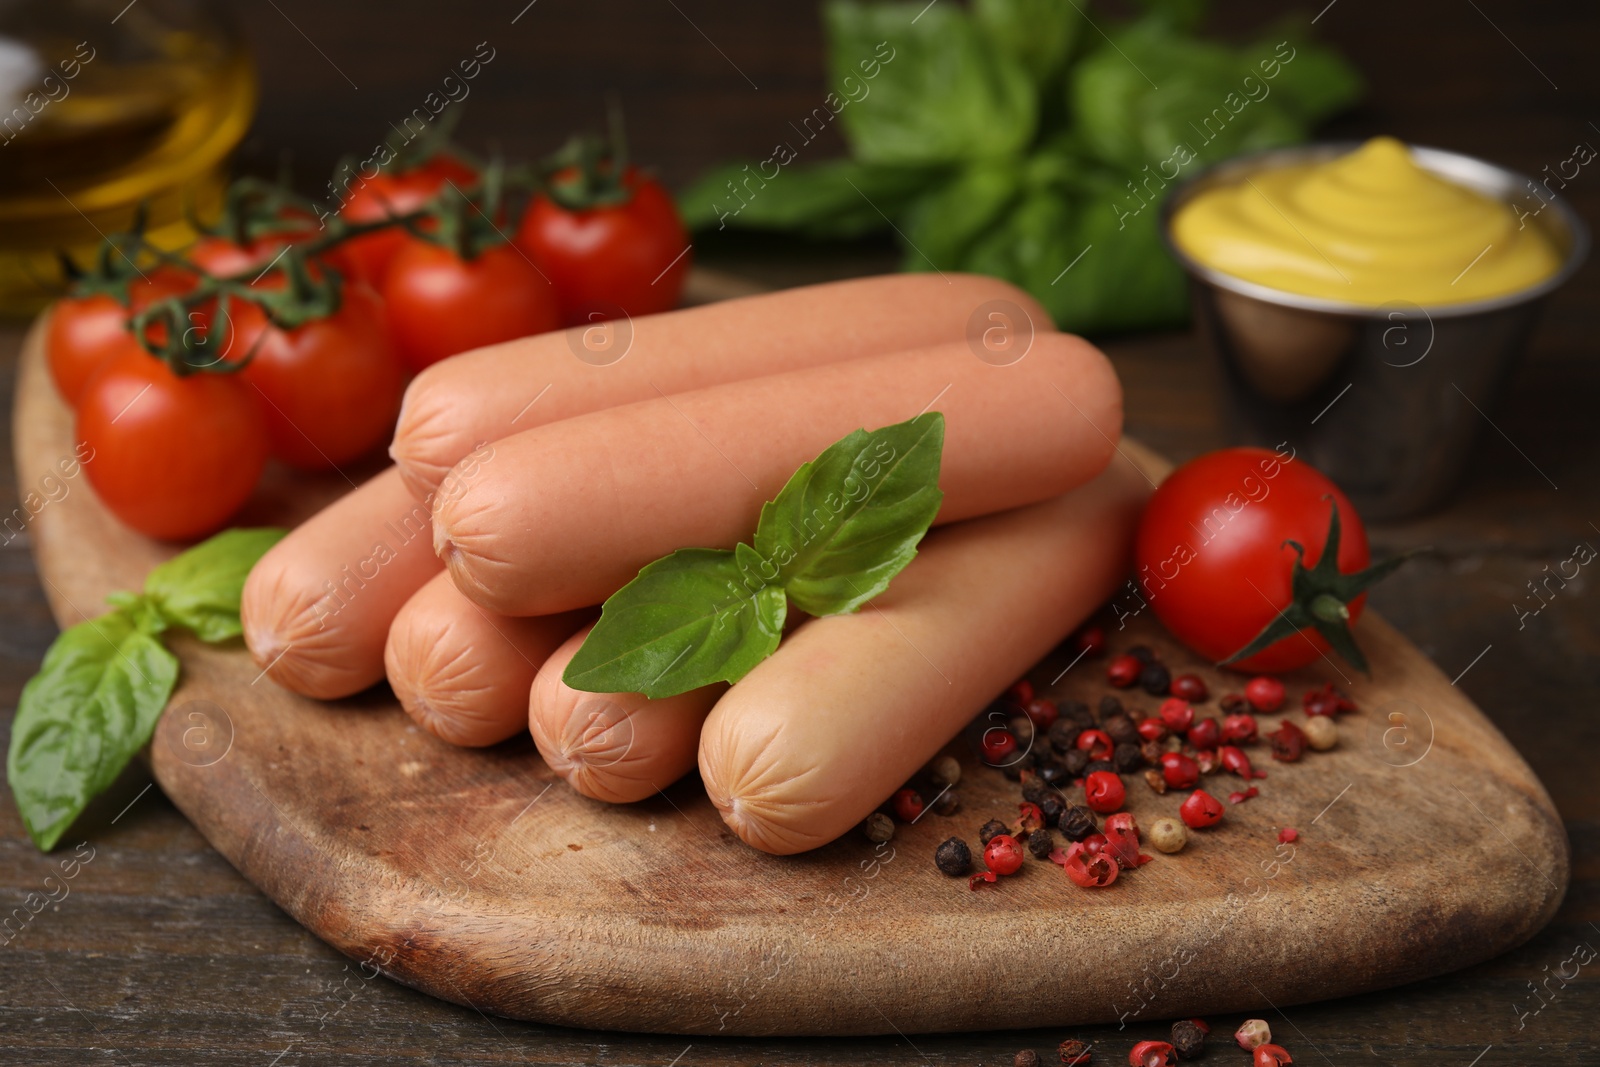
x,y
162,954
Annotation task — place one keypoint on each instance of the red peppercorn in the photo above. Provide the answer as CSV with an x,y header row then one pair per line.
x,y
1151,1054
1097,743
1205,734
1264,694
1327,701
1190,687
1003,854
1206,760
1152,729
997,744
1096,843
1042,713
1240,798
981,878
1090,640
1239,729
908,805
1123,671
1020,693
1179,770
1201,1025
1288,742
1200,810
1177,714
1029,818
1122,840
1288,835
1089,870
1074,1053
1234,761
1271,1056
1104,791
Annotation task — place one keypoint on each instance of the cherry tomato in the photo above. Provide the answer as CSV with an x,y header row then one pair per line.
x,y
385,194
85,333
440,304
632,255
172,457
330,390
1211,556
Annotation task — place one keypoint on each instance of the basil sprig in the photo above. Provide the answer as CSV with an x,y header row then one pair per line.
x,y
845,524
104,682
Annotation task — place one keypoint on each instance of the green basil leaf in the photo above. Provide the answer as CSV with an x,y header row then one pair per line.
x,y
91,707
1038,35
200,589
834,200
941,226
688,619
850,520
942,93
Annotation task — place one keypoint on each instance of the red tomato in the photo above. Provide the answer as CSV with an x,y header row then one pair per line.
x,y
439,304
172,457
385,194
632,255
223,258
85,333
330,389
1211,557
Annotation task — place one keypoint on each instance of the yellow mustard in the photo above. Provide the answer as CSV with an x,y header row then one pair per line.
x,y
1365,228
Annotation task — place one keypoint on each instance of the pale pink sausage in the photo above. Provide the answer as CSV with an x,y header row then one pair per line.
x,y
484,395
618,747
564,515
463,673
316,608
818,735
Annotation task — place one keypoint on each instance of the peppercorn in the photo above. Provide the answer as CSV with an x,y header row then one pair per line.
x,y
1288,742
1097,743
1200,810
1155,679
1188,1039
1063,734
1151,751
988,831
1233,703
1003,854
1109,705
1042,713
953,857
1026,1058
1075,710
1151,1054
1264,693
1075,762
1190,687
878,827
1120,728
1022,728
1270,1055
1077,823
1252,1034
1074,1053
908,805
1168,835
1123,671
1127,758
1143,653
1099,765
1176,714
1053,805
1020,692
997,745
1033,790
1179,770
1054,771
1205,734
1104,791
1155,779
1322,733
946,770
1239,729
947,803
1040,842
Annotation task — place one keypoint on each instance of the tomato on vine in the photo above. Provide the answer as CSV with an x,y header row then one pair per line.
x,y
86,332
388,194
440,303
1256,560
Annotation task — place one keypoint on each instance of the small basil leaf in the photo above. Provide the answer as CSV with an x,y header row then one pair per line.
x,y
200,589
688,619
850,520
93,704
832,200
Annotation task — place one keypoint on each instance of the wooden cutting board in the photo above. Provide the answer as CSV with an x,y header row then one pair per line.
x,y
1426,845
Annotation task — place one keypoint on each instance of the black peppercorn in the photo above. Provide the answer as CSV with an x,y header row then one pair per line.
x,y
1074,1053
1040,843
1099,765
1075,711
1053,805
1077,822
1143,653
1063,734
1188,1040
953,857
1127,758
1054,772
990,828
1075,761
1026,1058
1033,790
1155,679
947,803
1120,728
1109,705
